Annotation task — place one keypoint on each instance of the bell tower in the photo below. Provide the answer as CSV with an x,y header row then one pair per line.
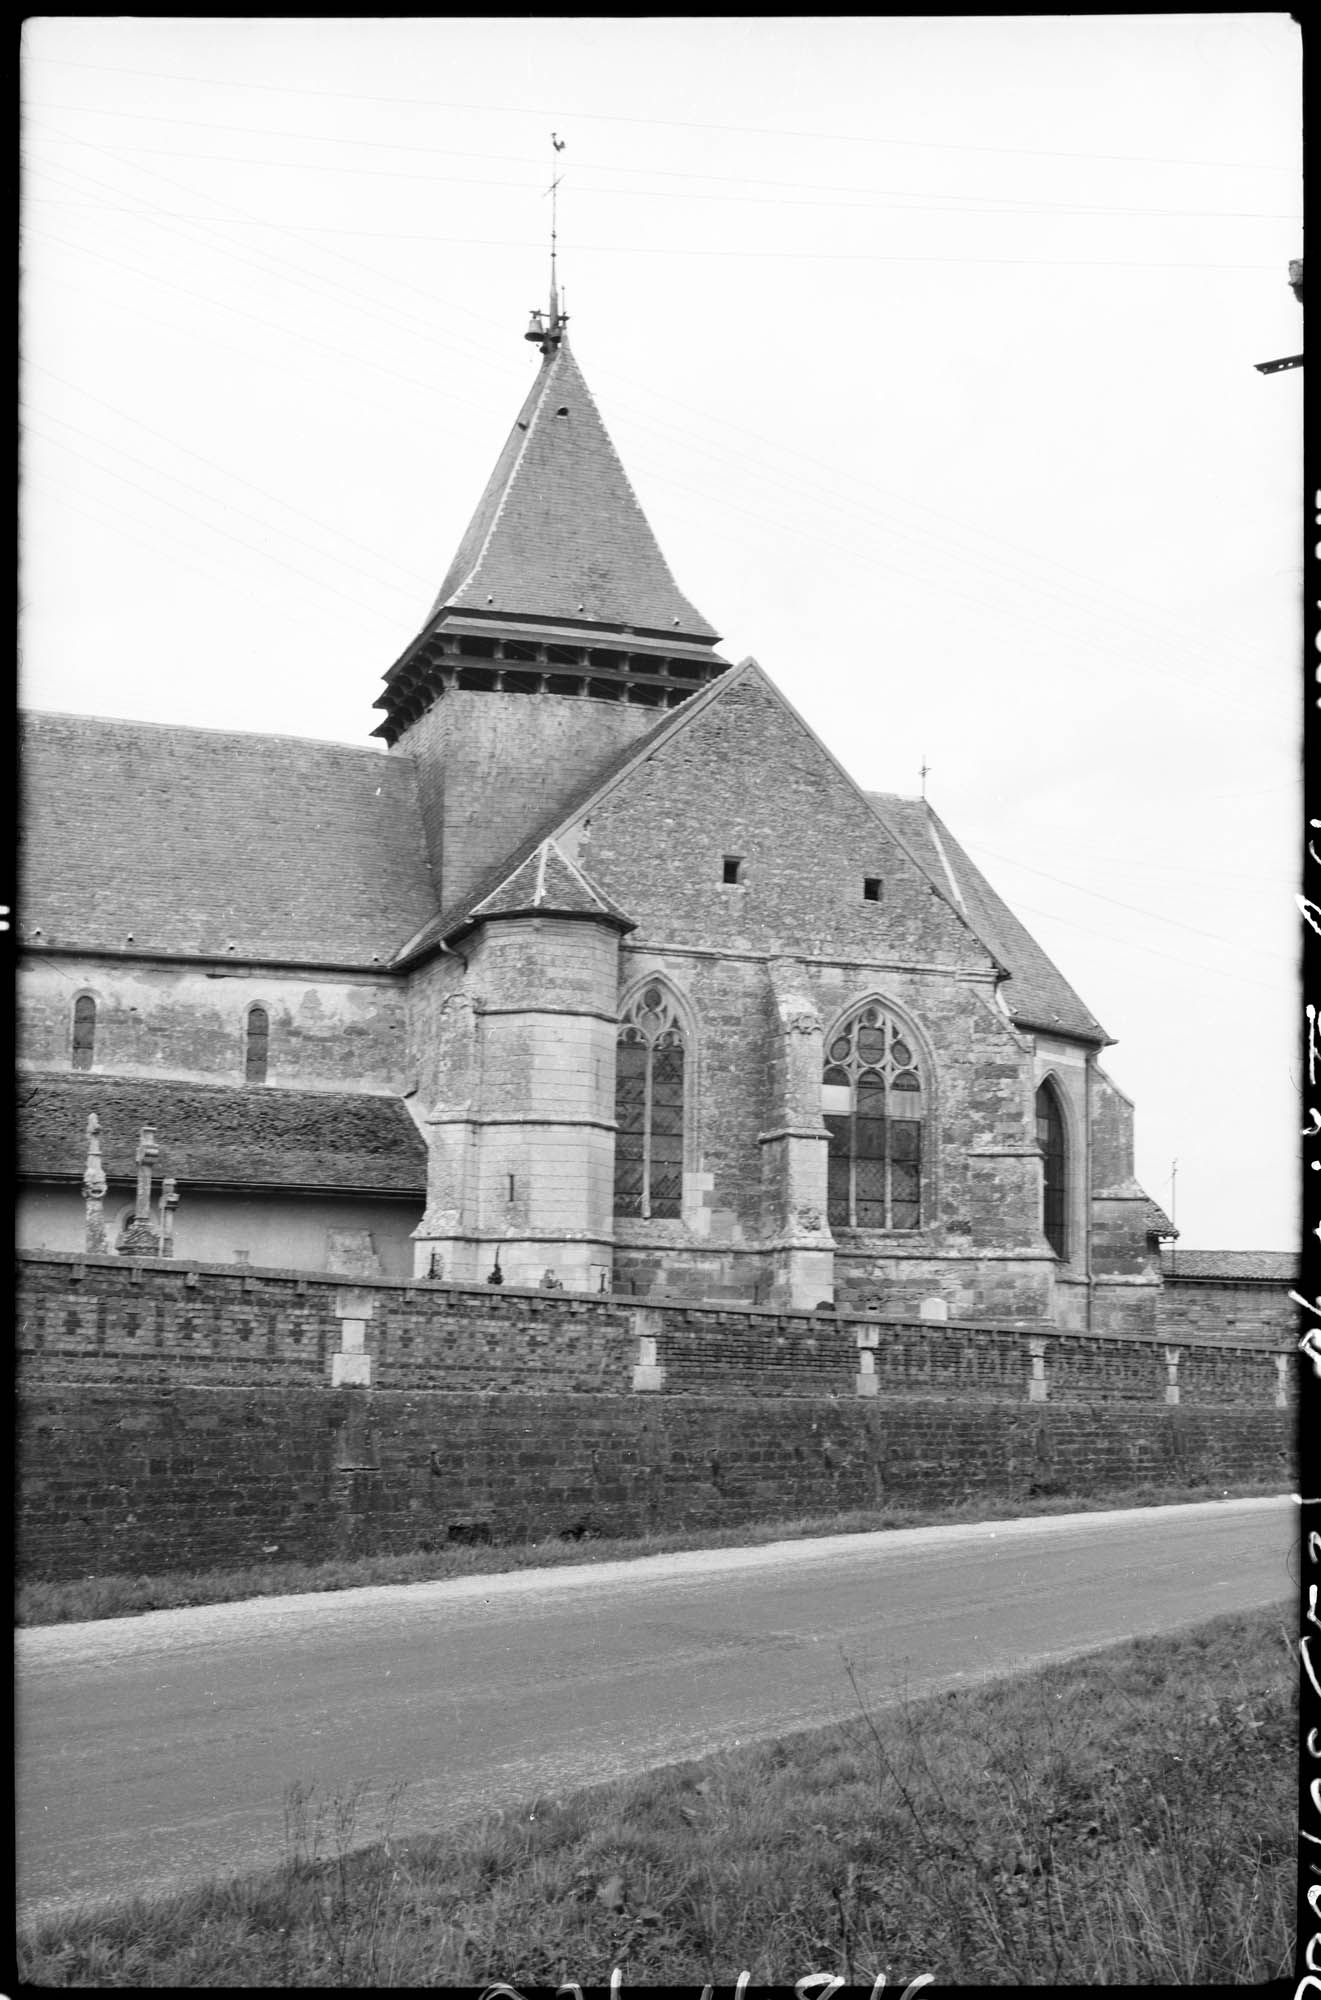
x,y
557,633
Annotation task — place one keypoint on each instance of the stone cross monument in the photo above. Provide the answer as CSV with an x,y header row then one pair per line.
x,y
139,1238
94,1191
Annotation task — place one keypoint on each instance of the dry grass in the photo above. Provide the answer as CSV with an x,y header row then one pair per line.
x,y
42,1603
1127,1818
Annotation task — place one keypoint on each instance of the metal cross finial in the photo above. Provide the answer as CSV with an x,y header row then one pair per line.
x,y
923,773
553,191
547,335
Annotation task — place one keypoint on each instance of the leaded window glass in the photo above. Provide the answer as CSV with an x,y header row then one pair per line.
x,y
84,1031
1050,1138
649,1085
873,1105
256,1045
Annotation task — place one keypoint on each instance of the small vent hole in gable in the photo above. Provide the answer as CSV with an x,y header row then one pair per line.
x,y
871,888
563,410
733,868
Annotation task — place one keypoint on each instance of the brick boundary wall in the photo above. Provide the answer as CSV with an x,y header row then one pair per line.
x,y
202,1416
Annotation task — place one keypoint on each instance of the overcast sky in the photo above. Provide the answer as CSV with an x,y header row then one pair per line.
x,y
928,346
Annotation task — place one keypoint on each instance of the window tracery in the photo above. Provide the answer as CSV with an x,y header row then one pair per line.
x,y
874,1108
649,1107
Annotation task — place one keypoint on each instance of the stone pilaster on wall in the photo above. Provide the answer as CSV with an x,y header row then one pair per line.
x,y
647,1373
794,1151
351,1367
1036,1387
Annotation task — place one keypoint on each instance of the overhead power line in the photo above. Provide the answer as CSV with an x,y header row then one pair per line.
x,y
677,124
1152,951
799,188
1051,591
213,528
1155,916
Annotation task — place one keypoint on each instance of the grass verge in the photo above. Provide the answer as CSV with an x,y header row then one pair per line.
x,y
1126,1818
91,1597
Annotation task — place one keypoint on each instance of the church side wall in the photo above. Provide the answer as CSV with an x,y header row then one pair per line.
x,y
170,1020
981,1249
189,1416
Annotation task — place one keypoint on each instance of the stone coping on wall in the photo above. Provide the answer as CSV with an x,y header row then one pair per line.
x,y
578,1303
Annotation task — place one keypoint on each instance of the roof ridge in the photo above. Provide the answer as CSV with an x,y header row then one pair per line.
x,y
548,368
202,729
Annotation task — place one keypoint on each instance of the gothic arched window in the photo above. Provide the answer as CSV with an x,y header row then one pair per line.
x,y
256,1044
874,1105
649,1079
84,1031
1054,1176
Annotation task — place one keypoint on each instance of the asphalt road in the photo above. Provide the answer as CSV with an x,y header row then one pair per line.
x,y
155,1752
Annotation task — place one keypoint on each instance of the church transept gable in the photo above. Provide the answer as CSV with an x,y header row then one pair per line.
x,y
734,828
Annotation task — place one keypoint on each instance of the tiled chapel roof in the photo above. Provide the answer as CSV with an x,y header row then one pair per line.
x,y
1278,1267
145,838
1037,993
220,1135
559,533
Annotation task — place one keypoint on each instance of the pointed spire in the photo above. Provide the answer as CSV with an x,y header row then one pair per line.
x,y
558,533
558,584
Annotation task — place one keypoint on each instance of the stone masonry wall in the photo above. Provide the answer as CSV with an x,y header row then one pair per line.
x,y
203,1417
492,767
745,779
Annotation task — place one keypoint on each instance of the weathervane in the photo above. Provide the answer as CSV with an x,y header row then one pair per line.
x,y
545,330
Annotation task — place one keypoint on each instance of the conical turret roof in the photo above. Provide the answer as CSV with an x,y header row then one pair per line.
x,y
559,534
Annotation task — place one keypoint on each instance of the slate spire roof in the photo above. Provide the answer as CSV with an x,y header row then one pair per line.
x,y
559,534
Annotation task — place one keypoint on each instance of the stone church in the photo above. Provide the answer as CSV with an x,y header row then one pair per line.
x,y
599,971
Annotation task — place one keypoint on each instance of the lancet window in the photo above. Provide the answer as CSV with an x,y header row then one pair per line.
x,y
873,1103
649,1087
1054,1161
256,1045
84,1032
